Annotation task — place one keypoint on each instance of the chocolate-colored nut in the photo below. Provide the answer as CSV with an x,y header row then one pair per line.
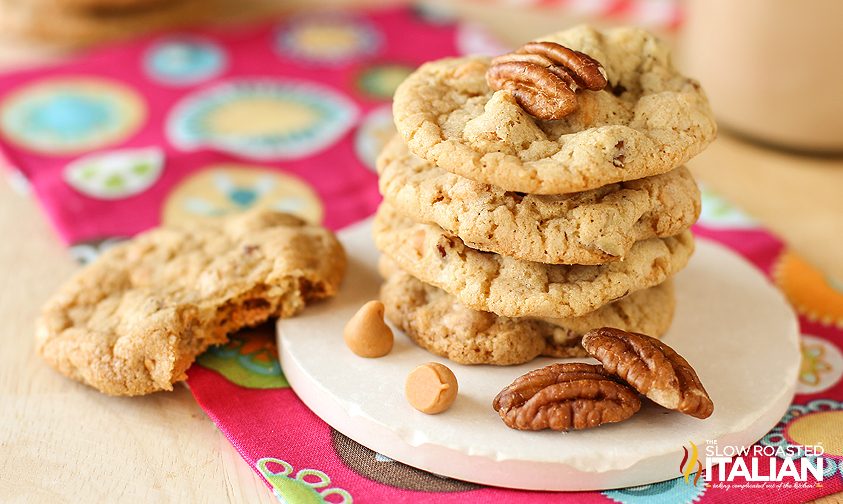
x,y
652,368
544,78
543,94
366,334
565,396
586,71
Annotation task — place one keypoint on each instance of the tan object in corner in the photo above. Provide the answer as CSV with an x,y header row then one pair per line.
x,y
744,72
66,27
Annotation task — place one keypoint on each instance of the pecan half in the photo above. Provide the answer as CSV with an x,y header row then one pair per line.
x,y
565,396
545,76
652,368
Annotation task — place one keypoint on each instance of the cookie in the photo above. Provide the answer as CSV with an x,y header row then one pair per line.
x,y
649,119
71,25
99,5
437,322
134,320
591,227
514,288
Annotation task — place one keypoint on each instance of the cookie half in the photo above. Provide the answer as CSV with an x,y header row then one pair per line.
x,y
437,322
514,288
134,320
592,227
649,120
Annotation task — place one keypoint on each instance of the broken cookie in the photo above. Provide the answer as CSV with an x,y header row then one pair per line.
x,y
133,321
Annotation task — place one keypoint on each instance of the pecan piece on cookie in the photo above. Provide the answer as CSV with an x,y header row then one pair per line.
x,y
544,78
565,396
652,368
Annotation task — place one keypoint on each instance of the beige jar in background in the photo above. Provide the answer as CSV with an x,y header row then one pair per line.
x,y
773,69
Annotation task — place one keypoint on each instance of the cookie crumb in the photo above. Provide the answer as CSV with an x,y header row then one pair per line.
x,y
620,157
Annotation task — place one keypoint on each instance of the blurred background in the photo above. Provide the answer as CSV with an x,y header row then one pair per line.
x,y
767,65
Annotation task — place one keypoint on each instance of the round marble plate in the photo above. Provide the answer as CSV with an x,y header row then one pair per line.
x,y
731,324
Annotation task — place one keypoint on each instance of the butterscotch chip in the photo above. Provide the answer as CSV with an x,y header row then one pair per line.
x,y
366,334
431,388
652,368
565,396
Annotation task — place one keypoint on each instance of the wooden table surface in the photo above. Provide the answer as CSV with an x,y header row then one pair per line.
x,y
61,441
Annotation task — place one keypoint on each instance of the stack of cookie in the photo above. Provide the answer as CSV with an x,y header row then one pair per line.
x,y
536,196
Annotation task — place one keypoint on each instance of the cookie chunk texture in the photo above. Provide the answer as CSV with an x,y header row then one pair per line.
x,y
437,322
591,227
649,120
511,287
133,321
